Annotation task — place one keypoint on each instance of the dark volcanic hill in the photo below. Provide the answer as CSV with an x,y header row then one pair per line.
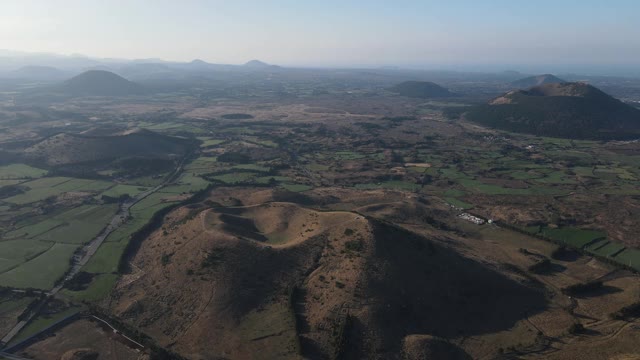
x,y
570,110
420,89
536,81
101,83
64,149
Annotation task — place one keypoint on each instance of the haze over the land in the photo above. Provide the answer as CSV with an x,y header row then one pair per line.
x,y
279,179
589,36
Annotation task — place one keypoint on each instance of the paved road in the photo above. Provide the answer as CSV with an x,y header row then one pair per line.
x,y
91,248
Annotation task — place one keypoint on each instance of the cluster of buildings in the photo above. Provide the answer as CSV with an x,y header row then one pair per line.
x,y
474,219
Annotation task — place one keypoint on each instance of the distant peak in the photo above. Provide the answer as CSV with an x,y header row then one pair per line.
x,y
256,63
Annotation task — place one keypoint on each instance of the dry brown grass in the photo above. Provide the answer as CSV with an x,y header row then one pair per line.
x,y
81,335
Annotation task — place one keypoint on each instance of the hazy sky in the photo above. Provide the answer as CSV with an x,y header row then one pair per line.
x,y
331,32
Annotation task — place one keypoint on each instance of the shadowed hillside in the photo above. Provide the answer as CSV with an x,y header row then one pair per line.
x,y
66,148
420,89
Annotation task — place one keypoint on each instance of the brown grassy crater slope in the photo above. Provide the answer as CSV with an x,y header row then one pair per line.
x,y
276,280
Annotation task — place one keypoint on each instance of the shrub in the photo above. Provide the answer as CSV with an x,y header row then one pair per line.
x,y
629,311
354,245
582,288
540,267
576,328
165,259
213,259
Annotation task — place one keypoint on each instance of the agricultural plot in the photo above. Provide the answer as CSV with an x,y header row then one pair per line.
x,y
83,228
556,177
458,203
576,238
43,321
163,126
44,188
76,226
188,183
265,180
239,130
348,155
206,142
147,181
583,171
604,248
8,264
22,250
98,289
38,190
42,271
251,167
490,189
394,184
235,177
203,165
629,257
318,167
106,260
36,255
10,182
606,174
20,171
11,307
266,143
297,187
121,189
149,205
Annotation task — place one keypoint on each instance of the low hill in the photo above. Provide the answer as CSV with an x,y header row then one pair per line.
x,y
536,81
570,110
199,64
64,149
421,89
101,83
257,64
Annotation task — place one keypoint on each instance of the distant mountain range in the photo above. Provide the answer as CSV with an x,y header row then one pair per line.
x,y
569,110
536,81
420,89
37,72
11,61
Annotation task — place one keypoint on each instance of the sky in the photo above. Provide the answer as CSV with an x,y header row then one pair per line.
x,y
406,33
